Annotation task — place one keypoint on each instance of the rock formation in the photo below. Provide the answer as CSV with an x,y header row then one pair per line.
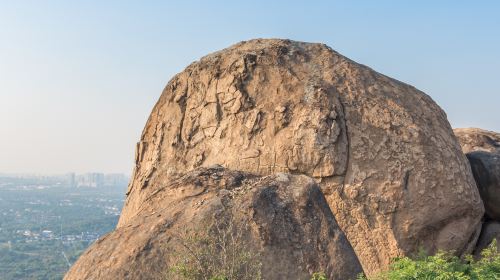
x,y
482,149
486,170
288,221
476,139
382,152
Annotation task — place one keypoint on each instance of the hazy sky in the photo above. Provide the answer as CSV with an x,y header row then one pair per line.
x,y
78,79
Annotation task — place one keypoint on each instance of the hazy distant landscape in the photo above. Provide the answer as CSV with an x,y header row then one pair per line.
x,y
46,222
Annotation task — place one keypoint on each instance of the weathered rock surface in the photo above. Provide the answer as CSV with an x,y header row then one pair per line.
x,y
288,220
384,153
476,139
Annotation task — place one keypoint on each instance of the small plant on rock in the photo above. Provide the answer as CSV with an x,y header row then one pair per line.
x,y
318,276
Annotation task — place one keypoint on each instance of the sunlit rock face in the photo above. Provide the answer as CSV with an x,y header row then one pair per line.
x,y
476,139
382,152
283,217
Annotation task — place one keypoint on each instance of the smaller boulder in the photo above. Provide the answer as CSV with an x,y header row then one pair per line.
x,y
282,220
486,170
482,148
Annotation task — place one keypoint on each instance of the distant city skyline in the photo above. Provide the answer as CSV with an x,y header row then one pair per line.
x,y
20,174
71,179
78,80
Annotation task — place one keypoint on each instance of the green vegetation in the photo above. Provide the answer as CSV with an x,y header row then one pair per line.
x,y
44,230
318,276
445,266
218,251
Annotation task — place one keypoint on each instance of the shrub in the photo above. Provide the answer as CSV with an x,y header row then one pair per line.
x,y
444,266
318,276
218,251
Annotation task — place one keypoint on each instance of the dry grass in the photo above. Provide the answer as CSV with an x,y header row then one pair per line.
x,y
216,251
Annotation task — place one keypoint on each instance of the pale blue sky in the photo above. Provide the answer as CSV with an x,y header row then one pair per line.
x,y
79,78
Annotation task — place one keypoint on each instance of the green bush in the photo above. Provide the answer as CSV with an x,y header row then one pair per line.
x,y
318,276
444,266
217,251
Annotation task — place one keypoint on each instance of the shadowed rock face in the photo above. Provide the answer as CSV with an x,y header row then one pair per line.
x,y
287,218
490,231
486,170
482,148
382,152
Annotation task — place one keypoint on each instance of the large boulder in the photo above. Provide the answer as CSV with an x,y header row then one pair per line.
x,y
384,153
286,219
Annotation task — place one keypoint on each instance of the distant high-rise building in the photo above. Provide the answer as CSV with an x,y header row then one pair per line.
x,y
93,180
115,179
72,180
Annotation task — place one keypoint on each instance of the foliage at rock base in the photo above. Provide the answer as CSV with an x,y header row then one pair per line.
x,y
444,266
